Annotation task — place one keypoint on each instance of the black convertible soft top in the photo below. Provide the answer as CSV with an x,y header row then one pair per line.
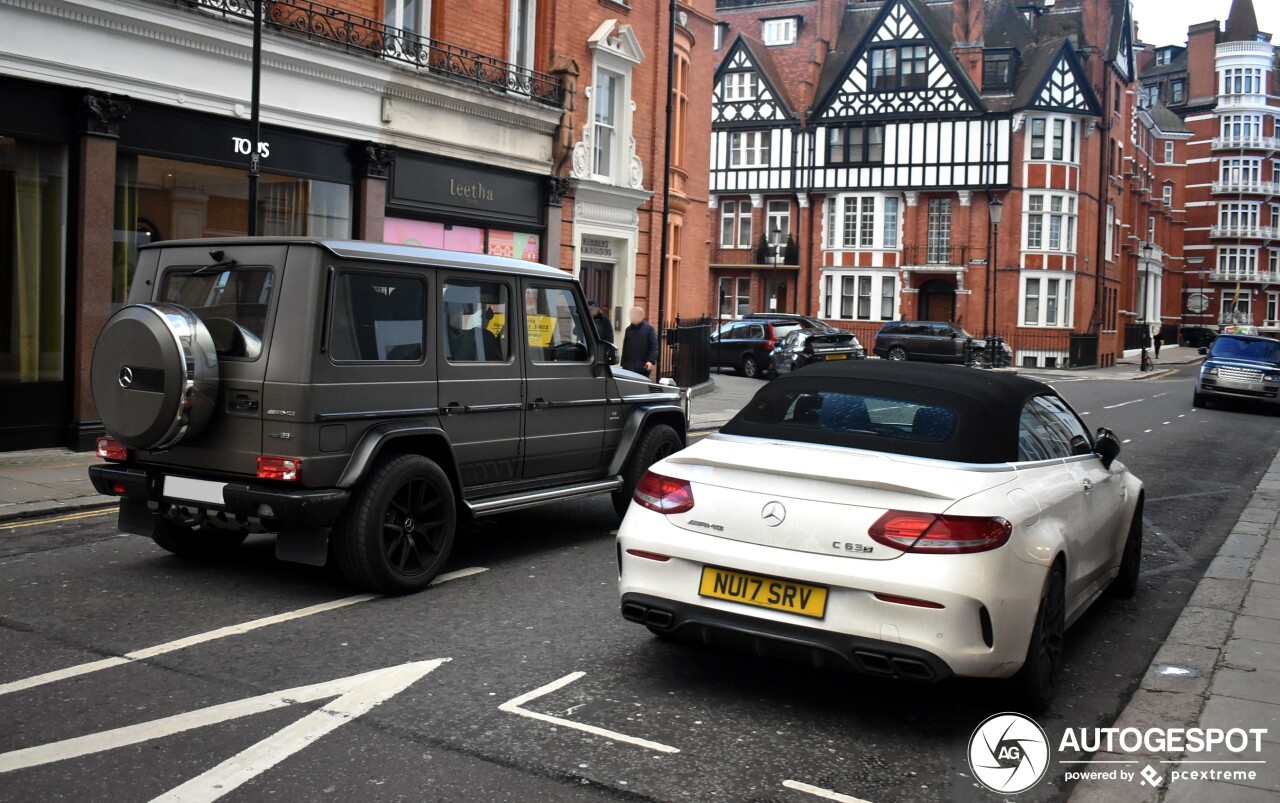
x,y
986,406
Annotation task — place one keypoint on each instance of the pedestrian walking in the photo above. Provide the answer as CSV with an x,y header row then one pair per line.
x,y
640,345
1157,338
604,328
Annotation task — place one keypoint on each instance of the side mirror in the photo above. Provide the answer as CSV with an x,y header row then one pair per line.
x,y
1204,350
953,334
1107,446
606,353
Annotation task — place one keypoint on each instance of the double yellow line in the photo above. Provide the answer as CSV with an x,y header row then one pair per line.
x,y
88,514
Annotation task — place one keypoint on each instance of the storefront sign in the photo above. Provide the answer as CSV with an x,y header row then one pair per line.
x,y
466,190
597,247
241,146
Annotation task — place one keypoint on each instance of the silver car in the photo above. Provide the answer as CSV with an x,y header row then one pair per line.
x,y
1239,367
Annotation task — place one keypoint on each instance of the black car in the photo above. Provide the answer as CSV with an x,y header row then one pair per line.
x,y
805,321
804,346
928,341
744,345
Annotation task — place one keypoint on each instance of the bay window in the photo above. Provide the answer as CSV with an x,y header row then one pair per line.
x,y
1051,222
1046,299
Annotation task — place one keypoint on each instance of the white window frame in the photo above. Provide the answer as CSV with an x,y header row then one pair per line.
x,y
750,148
1240,214
393,15
1236,300
1240,81
779,31
741,86
1054,294
1240,169
1168,151
737,213
1166,194
860,295
1237,260
863,222
1241,126
1110,235
1273,308
738,296
1059,139
522,33
615,50
1049,222
717,38
777,211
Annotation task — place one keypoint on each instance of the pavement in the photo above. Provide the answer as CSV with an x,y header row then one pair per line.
x,y
1219,667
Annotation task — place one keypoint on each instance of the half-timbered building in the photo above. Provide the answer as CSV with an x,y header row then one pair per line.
x,y
876,160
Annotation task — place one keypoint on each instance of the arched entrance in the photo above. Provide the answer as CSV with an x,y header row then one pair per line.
x,y
937,300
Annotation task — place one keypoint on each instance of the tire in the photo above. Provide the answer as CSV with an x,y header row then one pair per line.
x,y
750,367
198,542
399,529
897,354
1126,583
655,443
1199,401
1037,680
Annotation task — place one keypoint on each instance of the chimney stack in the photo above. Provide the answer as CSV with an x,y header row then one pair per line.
x,y
968,18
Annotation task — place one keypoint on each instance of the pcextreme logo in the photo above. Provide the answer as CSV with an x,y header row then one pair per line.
x,y
1008,753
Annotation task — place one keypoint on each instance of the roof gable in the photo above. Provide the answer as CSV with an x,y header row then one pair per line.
x,y
940,85
1065,87
745,90
1122,58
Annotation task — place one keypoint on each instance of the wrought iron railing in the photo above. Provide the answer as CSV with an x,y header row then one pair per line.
x,y
352,32
947,257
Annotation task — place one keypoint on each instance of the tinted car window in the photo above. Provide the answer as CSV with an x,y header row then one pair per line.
x,y
1242,348
555,325
231,303
940,330
753,332
1042,434
781,330
475,324
839,412
378,317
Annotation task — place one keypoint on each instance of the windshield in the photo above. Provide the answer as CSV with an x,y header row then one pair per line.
x,y
1246,348
231,303
781,330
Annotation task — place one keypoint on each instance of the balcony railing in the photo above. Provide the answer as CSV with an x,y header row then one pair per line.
x,y
1247,100
1243,232
1244,49
1248,277
939,258
1245,143
1244,187
351,32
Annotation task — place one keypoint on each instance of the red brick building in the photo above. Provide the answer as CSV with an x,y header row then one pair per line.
x,y
869,145
1223,88
513,127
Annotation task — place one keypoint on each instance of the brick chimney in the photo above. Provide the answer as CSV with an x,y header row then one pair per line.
x,y
1202,40
968,18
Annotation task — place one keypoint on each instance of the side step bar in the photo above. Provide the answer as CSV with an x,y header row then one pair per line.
x,y
502,504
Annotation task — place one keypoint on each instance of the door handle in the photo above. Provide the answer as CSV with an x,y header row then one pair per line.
x,y
539,404
242,403
453,408
1088,485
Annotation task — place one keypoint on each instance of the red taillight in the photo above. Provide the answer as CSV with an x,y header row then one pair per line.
x,y
640,553
118,488
949,535
664,494
112,449
919,603
288,469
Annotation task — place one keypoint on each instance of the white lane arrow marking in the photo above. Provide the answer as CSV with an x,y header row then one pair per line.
x,y
355,696
513,706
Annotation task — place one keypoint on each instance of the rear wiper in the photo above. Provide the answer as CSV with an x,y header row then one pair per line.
x,y
219,263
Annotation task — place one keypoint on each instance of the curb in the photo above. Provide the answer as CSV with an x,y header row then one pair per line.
x,y
34,510
1179,684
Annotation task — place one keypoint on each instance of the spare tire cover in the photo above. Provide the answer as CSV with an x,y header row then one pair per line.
x,y
154,376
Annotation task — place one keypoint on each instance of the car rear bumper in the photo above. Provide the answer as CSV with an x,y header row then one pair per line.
x,y
308,506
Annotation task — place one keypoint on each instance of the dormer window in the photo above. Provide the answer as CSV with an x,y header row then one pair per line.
x,y
779,31
998,69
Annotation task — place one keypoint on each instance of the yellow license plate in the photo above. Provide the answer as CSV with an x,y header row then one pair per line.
x,y
764,592
836,357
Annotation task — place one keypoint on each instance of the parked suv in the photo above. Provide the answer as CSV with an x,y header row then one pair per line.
x,y
360,400
932,341
744,344
1239,367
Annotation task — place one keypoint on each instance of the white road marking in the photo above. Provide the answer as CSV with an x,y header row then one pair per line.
x,y
825,794
1122,404
1165,424
1084,414
1127,440
1158,395
355,695
1145,431
513,706
212,635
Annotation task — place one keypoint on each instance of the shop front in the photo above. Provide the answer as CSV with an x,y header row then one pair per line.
x,y
462,206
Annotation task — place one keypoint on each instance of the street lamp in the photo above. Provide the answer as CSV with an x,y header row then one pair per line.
x,y
995,210
1147,250
775,239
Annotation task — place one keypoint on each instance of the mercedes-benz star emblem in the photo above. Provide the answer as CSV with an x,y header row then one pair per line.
x,y
773,514
126,376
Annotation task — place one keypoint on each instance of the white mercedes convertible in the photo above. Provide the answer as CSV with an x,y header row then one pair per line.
x,y
906,520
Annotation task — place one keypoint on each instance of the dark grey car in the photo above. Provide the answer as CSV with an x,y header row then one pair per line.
x,y
929,341
359,400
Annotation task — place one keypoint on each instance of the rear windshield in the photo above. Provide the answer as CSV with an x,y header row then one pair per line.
x,y
232,304
1241,348
781,330
814,415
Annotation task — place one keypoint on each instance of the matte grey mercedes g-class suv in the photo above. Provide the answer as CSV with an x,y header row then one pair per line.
x,y
359,400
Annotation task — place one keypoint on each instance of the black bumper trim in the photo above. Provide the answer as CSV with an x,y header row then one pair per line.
x,y
765,637
314,506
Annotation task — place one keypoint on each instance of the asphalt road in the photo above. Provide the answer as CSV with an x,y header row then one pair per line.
x,y
521,682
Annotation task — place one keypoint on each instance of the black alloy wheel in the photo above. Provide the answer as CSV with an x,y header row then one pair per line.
x,y
1037,681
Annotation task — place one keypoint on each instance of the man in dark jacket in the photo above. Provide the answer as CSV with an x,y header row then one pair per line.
x,y
639,344
603,327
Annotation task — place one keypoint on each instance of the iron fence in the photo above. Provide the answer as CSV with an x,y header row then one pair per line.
x,y
686,350
337,27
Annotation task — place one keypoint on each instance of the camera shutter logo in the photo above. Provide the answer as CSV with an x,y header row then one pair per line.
x,y
1008,753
